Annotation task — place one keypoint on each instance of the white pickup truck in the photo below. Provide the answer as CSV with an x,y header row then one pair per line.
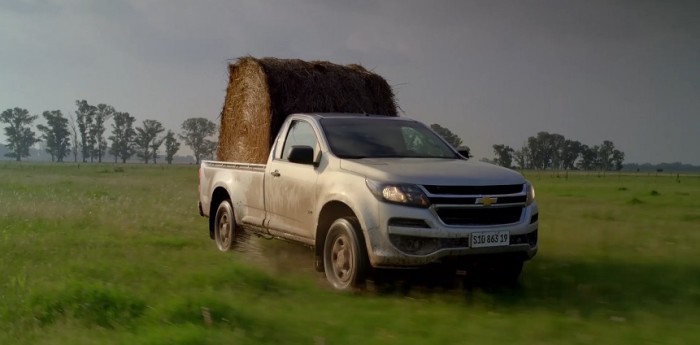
x,y
372,192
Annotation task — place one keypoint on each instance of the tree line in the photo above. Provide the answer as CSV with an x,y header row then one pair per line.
x,y
84,135
548,151
554,151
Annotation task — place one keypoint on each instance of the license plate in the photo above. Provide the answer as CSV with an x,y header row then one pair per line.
x,y
490,239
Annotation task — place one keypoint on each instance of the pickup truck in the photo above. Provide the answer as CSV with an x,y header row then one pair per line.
x,y
371,192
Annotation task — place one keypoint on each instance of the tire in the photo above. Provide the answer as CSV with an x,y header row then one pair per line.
x,y
225,226
345,255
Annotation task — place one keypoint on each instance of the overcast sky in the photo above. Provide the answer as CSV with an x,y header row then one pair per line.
x,y
491,71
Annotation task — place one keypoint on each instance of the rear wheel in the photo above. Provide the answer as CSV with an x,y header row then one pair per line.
x,y
345,255
224,226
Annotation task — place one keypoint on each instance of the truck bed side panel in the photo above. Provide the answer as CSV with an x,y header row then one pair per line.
x,y
242,182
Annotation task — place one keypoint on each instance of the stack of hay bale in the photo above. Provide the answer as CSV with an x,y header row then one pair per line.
x,y
261,93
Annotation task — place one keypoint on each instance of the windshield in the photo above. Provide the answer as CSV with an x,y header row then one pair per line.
x,y
371,137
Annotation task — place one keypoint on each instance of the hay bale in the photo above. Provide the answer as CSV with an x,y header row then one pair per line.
x,y
262,92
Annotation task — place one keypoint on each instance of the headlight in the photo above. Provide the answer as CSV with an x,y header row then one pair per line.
x,y
404,194
530,190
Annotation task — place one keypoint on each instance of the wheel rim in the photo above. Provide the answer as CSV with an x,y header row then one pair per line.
x,y
224,231
342,259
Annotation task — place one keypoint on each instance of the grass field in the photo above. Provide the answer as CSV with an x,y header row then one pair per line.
x,y
104,254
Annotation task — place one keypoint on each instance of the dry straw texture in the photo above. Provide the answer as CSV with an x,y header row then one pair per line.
x,y
262,92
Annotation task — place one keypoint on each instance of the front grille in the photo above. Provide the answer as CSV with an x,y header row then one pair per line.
x,y
480,215
475,190
472,201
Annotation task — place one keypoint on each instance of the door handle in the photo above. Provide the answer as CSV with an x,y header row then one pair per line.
x,y
275,173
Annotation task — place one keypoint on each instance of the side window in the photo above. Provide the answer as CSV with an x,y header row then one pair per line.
x,y
300,133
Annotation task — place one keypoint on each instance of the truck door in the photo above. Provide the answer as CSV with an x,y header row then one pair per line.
x,y
290,188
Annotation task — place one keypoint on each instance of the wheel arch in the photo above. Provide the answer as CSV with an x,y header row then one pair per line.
x,y
220,194
331,211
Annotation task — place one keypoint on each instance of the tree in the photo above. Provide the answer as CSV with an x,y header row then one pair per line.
x,y
103,112
522,157
141,145
19,135
605,155
56,135
589,157
504,155
85,117
155,145
618,158
122,137
171,146
555,144
74,136
209,150
537,159
569,153
195,133
451,138
145,137
545,150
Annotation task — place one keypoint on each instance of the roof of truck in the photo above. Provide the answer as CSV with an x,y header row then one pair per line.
x,y
352,115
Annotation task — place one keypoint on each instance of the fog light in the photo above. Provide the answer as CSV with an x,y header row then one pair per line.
x,y
415,245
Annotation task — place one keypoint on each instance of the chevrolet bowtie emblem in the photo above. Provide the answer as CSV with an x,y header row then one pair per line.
x,y
486,201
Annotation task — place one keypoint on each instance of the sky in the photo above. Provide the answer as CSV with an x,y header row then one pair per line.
x,y
493,72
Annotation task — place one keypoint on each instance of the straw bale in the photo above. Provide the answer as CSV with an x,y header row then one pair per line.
x,y
262,92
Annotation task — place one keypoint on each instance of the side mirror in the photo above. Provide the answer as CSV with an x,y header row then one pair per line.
x,y
302,155
465,152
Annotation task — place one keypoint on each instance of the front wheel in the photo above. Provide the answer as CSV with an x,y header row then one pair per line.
x,y
224,226
345,255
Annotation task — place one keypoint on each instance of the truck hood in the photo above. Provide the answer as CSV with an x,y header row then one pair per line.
x,y
432,171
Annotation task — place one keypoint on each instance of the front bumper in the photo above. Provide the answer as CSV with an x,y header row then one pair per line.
x,y
434,241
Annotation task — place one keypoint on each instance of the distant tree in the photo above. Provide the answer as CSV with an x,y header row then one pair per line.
x,y
555,144
122,137
103,112
210,149
545,150
554,151
85,116
451,138
142,145
569,153
521,157
538,156
504,155
155,145
171,146
605,155
74,138
18,132
195,132
589,158
145,137
56,135
618,158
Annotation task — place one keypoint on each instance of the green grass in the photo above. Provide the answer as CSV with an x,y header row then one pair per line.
x,y
118,255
